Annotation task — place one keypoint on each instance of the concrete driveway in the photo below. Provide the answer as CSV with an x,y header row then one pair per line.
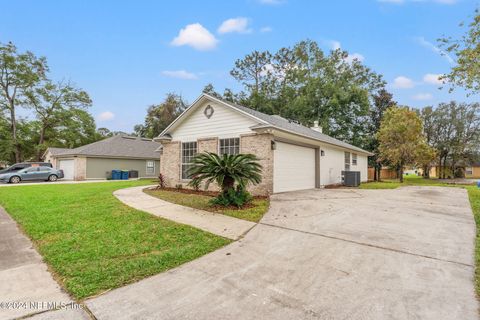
x,y
325,254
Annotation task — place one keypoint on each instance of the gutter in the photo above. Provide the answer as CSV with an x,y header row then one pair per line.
x,y
267,126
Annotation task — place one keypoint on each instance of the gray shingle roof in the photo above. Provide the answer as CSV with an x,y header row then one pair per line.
x,y
57,151
281,123
117,146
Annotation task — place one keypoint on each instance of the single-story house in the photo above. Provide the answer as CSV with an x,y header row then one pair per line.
x,y
98,159
469,170
293,157
472,170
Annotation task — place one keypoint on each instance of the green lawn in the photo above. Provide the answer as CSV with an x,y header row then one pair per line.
x,y
198,201
473,194
408,181
93,242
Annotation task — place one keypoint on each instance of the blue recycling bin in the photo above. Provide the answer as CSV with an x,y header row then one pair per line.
x,y
478,183
125,174
116,174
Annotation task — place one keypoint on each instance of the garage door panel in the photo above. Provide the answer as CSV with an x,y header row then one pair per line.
x,y
293,168
68,167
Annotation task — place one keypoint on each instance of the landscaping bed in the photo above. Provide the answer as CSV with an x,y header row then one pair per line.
x,y
200,199
93,243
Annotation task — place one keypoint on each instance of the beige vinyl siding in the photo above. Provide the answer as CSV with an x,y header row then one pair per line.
x,y
100,168
332,163
224,123
475,173
362,166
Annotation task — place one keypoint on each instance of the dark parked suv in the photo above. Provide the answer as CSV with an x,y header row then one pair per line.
x,y
23,165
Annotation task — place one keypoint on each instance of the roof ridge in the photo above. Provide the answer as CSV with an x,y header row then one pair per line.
x,y
274,121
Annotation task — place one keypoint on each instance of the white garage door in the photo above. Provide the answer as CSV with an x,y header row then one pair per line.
x,y
293,167
67,167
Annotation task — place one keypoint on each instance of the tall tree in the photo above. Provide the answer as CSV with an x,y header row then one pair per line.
x,y
161,115
303,84
401,139
77,129
466,72
253,72
18,73
381,102
51,103
453,129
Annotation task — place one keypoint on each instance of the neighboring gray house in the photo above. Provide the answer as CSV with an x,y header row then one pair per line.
x,y
98,159
293,157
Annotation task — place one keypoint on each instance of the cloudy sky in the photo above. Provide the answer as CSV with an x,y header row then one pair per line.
x,y
129,54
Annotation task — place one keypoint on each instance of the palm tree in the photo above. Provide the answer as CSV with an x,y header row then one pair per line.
x,y
226,170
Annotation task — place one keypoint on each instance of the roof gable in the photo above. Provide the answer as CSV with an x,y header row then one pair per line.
x,y
199,102
263,121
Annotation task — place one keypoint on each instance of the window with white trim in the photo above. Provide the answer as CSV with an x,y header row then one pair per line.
x,y
347,161
354,159
189,150
469,171
150,166
229,146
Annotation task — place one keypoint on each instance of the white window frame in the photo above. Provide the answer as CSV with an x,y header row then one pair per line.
x,y
148,167
347,163
182,149
469,171
354,159
235,146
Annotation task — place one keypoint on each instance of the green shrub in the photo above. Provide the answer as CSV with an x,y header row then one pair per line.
x,y
232,197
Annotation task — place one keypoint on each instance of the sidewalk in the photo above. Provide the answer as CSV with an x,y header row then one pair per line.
x,y
26,286
215,223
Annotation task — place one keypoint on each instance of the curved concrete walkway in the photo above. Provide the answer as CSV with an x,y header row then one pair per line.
x,y
215,223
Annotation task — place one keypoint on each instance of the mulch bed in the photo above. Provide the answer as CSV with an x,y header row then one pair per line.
x,y
189,191
209,194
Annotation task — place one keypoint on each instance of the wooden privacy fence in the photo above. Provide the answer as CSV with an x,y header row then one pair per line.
x,y
385,173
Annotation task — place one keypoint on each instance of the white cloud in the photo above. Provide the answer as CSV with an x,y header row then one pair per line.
x,y
196,36
335,44
434,48
180,74
272,2
402,82
105,116
266,29
238,25
432,78
422,96
355,56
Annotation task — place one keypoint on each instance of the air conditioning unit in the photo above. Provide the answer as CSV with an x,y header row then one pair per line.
x,y
351,178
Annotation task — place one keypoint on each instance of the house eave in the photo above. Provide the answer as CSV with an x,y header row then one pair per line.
x,y
268,128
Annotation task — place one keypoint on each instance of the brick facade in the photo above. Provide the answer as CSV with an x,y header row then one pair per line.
x,y
80,168
170,163
258,144
207,145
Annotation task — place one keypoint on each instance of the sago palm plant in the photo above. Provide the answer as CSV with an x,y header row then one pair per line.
x,y
226,170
